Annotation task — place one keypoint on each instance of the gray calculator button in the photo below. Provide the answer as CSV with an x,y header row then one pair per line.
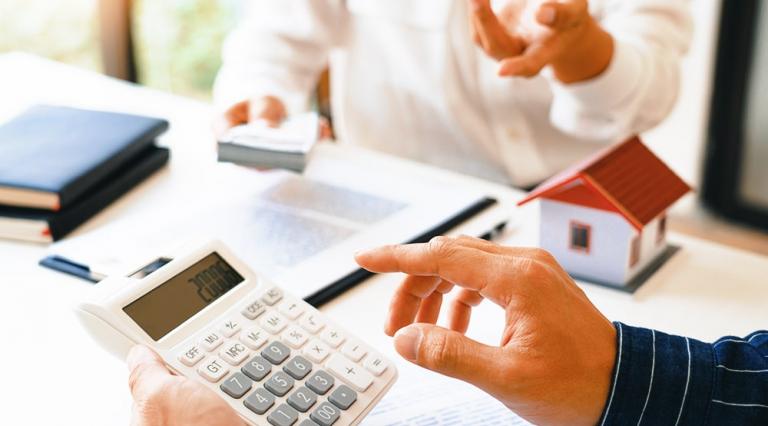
x,y
343,397
320,382
253,310
272,296
279,384
298,367
276,353
259,401
325,414
283,415
257,368
236,385
308,422
303,399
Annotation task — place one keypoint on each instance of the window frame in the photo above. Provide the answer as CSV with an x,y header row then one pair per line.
x,y
572,225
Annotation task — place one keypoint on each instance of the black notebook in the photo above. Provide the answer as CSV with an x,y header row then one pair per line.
x,y
50,156
45,226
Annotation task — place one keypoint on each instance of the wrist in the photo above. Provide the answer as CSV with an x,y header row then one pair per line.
x,y
588,57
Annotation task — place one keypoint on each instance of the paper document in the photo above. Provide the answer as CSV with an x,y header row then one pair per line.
x,y
297,230
421,397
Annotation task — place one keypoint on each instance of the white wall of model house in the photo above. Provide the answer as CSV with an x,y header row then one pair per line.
x,y
610,242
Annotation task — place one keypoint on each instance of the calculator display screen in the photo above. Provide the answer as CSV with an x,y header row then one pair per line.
x,y
187,293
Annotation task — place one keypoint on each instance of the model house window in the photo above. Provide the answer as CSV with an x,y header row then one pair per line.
x,y
634,251
581,236
662,233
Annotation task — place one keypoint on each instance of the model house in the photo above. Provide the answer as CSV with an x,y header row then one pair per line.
x,y
605,219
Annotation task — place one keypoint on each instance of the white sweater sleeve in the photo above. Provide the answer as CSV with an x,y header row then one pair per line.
x,y
641,84
279,48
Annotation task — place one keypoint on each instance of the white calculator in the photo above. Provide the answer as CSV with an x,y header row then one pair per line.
x,y
273,357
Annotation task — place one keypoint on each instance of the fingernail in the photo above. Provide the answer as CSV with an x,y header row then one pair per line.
x,y
547,15
139,354
407,341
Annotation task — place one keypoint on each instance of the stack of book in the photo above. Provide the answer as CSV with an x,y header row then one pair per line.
x,y
285,147
59,166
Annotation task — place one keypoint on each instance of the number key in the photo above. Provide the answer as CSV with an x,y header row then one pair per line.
x,y
320,382
279,384
298,367
259,401
283,415
325,414
257,368
276,353
303,399
236,385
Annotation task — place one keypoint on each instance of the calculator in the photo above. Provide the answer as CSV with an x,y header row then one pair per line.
x,y
274,358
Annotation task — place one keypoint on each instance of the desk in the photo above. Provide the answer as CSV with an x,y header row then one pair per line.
x,y
54,374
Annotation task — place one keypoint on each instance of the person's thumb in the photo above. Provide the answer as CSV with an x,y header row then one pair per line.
x,y
148,373
450,353
563,15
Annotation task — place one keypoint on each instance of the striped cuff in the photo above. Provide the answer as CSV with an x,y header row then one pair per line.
x,y
659,379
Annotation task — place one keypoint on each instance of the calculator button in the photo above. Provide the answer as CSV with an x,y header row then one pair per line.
x,y
325,414
253,310
294,336
234,353
317,351
191,356
303,399
298,367
212,341
230,327
254,338
320,382
279,384
343,397
332,337
259,401
257,368
283,415
272,296
348,371
312,323
213,370
276,353
273,322
375,364
236,385
292,310
308,422
353,350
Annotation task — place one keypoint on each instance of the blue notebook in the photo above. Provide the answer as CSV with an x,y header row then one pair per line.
x,y
50,156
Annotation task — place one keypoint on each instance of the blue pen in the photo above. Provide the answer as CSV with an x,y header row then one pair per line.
x,y
66,266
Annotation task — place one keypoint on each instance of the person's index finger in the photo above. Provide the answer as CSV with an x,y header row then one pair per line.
x,y
445,257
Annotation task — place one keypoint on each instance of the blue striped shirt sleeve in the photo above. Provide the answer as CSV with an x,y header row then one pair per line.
x,y
661,379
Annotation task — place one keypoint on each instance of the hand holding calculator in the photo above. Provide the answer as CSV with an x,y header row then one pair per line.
x,y
273,357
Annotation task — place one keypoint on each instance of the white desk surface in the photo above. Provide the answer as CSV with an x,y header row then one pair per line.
x,y
54,374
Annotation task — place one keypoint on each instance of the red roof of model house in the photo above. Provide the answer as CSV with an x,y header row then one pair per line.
x,y
626,178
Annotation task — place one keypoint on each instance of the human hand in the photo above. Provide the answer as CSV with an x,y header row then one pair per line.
x,y
557,352
268,109
528,35
162,398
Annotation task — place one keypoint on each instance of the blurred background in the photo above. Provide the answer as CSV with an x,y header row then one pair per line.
x,y
174,46
176,43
